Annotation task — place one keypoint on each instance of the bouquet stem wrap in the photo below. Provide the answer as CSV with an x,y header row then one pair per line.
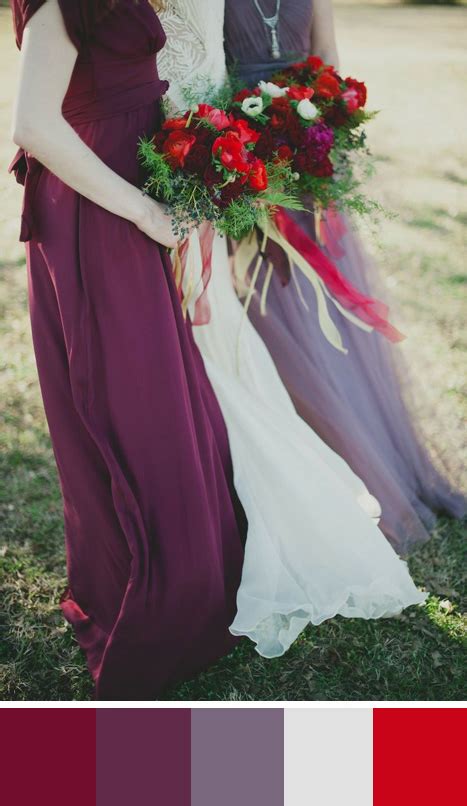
x,y
192,266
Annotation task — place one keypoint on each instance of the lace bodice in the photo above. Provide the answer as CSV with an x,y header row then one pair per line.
x,y
195,46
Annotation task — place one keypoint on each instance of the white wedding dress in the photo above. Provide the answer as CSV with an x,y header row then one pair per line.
x,y
313,548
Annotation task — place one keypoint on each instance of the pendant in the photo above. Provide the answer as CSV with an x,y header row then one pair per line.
x,y
275,51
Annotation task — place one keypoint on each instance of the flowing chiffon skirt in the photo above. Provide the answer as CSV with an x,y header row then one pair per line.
x,y
313,547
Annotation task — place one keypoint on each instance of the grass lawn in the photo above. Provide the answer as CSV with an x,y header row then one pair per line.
x,y
416,70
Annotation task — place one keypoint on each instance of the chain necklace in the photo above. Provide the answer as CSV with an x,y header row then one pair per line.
x,y
272,23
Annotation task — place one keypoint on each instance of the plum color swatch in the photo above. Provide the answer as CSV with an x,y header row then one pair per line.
x,y
237,757
143,757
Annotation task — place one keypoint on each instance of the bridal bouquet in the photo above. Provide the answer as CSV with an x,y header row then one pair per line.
x,y
205,166
238,164
312,120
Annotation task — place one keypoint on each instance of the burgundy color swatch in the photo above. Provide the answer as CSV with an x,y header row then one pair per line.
x,y
48,756
143,757
419,756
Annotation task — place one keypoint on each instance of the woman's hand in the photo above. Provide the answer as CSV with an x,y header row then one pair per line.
x,y
155,223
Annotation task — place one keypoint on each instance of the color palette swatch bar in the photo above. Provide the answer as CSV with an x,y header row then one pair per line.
x,y
232,756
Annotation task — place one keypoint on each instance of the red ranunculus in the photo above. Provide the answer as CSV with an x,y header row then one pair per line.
x,y
296,93
241,95
212,176
216,117
198,159
327,86
230,192
359,88
245,132
314,63
284,153
265,146
231,152
177,146
175,123
258,176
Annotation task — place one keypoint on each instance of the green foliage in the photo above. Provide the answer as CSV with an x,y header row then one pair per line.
x,y
159,182
204,90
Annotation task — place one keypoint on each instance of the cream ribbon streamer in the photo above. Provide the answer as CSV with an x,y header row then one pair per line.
x,y
245,254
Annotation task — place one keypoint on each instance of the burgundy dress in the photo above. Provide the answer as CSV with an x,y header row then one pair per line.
x,y
153,534
357,403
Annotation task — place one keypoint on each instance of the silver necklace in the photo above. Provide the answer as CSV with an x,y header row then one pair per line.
x,y
272,23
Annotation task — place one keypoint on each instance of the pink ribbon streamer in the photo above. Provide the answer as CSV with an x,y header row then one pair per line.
x,y
371,311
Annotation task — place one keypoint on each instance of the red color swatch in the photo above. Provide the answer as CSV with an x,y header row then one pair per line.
x,y
419,756
48,756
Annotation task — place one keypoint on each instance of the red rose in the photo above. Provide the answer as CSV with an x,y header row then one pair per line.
x,y
299,93
314,63
359,88
229,192
204,135
324,168
216,117
212,176
296,132
300,163
175,123
327,86
177,146
245,132
284,153
198,159
231,152
281,113
337,115
258,176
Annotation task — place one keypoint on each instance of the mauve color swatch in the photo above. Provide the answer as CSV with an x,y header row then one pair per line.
x,y
237,757
143,757
48,756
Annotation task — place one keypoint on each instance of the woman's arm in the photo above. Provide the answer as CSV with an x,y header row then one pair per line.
x,y
47,61
323,37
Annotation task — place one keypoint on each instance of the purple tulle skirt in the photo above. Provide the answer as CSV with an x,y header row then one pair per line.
x,y
358,403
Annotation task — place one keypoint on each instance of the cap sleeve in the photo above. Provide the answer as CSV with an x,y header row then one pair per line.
x,y
79,17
